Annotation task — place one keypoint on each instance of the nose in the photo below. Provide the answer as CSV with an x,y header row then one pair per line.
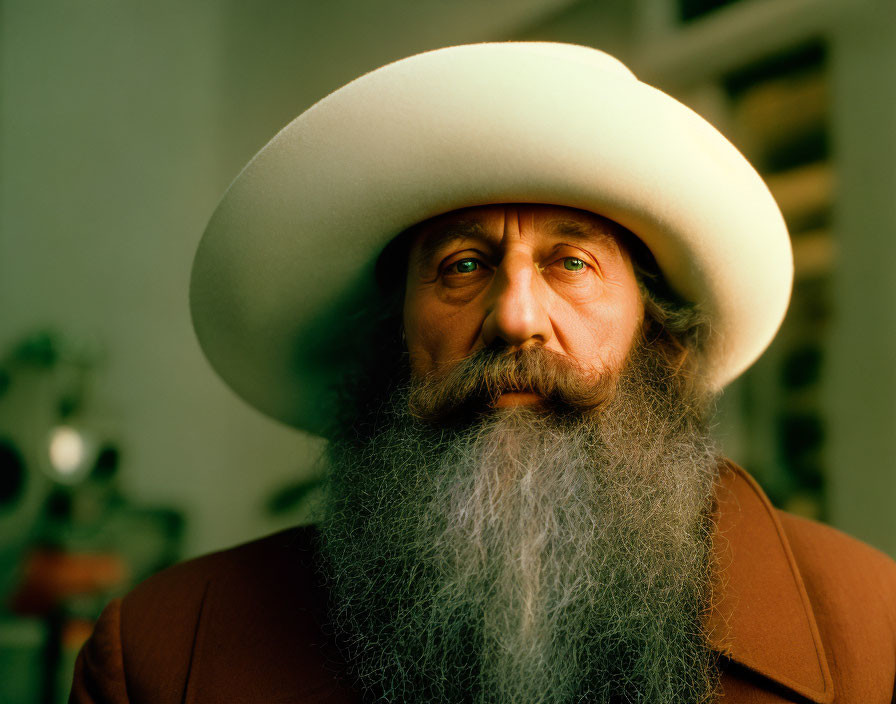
x,y
516,311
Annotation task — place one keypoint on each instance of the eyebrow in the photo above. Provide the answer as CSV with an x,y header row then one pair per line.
x,y
582,231
436,240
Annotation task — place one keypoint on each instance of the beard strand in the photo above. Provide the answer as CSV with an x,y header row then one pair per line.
x,y
527,555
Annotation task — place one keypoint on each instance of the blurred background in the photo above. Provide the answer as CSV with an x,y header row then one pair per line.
x,y
121,124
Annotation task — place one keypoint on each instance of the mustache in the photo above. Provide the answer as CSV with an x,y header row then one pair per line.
x,y
474,384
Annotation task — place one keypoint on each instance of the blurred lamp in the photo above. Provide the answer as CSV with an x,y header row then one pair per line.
x,y
71,453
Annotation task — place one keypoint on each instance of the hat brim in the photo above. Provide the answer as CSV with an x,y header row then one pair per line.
x,y
289,253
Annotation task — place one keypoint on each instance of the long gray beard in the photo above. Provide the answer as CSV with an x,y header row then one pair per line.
x,y
527,556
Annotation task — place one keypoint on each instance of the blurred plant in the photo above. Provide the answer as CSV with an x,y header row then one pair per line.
x,y
69,537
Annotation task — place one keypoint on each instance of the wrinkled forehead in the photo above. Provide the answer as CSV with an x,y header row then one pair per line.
x,y
490,223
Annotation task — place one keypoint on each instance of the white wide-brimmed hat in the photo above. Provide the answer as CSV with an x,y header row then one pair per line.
x,y
288,257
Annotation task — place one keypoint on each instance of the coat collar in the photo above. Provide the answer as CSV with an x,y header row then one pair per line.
x,y
762,619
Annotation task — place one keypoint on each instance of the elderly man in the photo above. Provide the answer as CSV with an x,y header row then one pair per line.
x,y
506,282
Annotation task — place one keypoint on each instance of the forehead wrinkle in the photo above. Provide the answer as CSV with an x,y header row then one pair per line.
x,y
433,241
439,236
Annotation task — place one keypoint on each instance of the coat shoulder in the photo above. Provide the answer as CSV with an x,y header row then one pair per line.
x,y
186,581
827,556
161,619
852,589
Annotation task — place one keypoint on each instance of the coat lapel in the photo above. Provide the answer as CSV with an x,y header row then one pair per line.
x,y
762,619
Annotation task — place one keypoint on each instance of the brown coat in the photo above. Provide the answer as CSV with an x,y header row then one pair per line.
x,y
806,614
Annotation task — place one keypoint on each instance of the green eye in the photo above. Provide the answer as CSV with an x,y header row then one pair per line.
x,y
573,264
465,266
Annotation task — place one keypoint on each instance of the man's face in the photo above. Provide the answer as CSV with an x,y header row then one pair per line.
x,y
518,276
518,510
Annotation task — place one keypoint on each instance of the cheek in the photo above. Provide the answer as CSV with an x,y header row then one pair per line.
x,y
414,332
435,333
601,334
632,316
